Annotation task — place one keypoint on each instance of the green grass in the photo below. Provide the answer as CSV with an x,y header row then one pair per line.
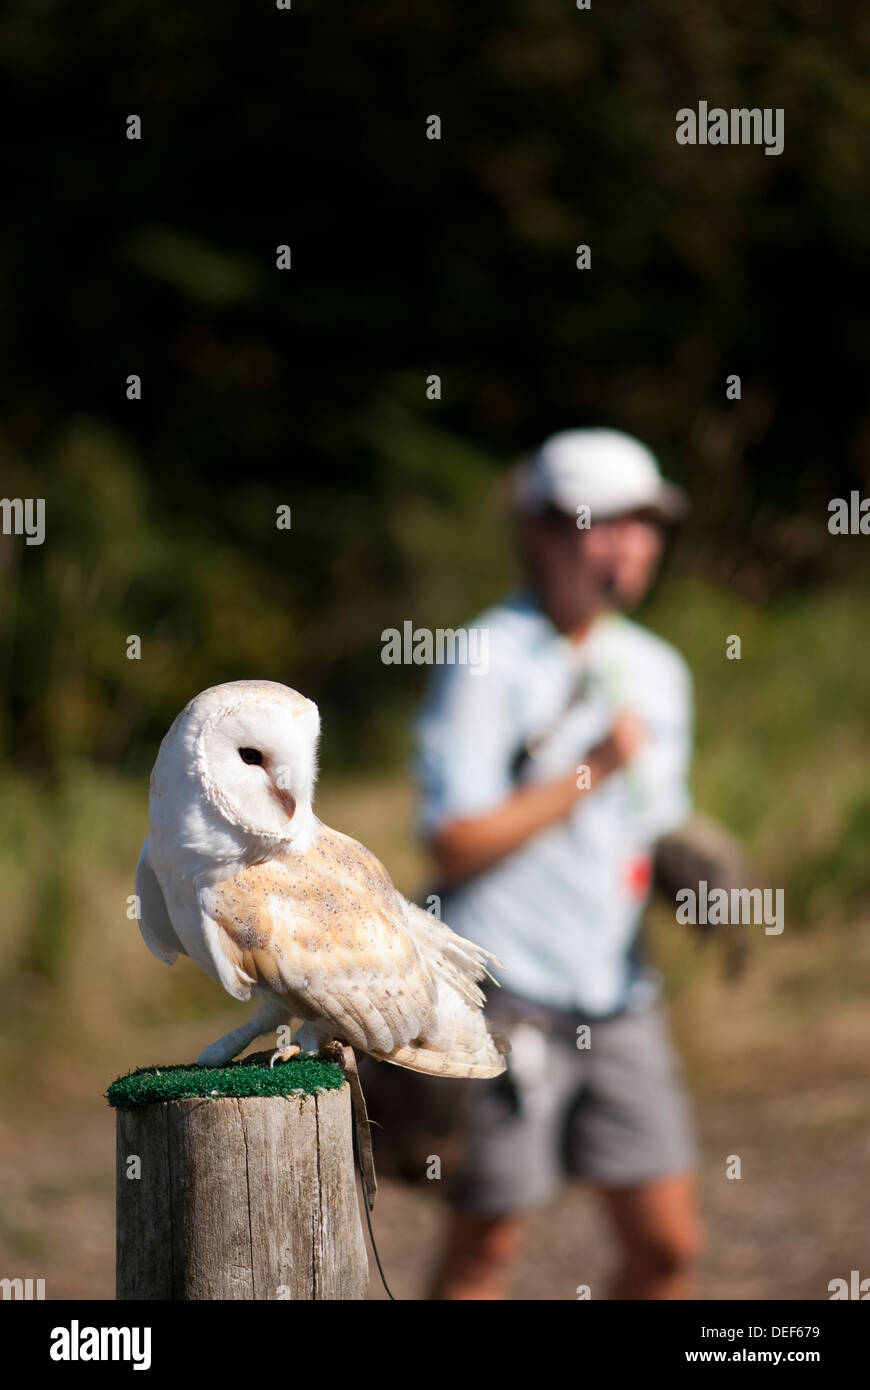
x,y
245,1078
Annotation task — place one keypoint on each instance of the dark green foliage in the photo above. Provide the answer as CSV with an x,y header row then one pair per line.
x,y
307,387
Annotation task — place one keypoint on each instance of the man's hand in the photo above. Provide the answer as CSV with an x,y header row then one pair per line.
x,y
627,736
465,847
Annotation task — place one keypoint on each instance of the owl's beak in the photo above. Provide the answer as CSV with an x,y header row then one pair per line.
x,y
283,798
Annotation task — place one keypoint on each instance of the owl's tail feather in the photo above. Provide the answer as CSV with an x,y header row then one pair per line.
x,y
481,1062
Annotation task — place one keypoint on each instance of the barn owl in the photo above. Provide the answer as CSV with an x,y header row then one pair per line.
x,y
239,874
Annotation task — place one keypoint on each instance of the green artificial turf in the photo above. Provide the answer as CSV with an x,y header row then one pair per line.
x,y
248,1077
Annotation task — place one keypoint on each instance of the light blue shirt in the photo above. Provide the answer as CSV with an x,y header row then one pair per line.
x,y
563,910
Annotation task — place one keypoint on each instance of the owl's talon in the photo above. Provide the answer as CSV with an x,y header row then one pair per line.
x,y
337,1052
284,1054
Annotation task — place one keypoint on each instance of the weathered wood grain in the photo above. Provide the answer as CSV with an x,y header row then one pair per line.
x,y
249,1198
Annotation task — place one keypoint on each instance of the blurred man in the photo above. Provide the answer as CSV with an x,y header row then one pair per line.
x,y
546,783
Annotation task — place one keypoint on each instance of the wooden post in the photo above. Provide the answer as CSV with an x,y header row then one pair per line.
x,y
239,1198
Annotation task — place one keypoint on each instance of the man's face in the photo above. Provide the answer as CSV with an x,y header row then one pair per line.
x,y
581,572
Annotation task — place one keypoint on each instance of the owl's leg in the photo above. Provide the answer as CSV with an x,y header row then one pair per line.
x,y
234,1042
309,1037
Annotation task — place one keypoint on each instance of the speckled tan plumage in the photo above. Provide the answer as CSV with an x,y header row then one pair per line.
x,y
328,934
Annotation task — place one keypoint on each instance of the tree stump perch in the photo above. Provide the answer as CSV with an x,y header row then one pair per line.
x,y
245,1197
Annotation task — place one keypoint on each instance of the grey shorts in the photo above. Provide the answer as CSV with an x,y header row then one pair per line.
x,y
615,1114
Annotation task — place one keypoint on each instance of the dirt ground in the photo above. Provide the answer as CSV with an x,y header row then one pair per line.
x,y
777,1078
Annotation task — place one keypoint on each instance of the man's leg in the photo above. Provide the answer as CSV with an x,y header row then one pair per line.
x,y
476,1257
658,1230
633,1138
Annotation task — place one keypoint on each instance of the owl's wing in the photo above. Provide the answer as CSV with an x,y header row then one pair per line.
x,y
326,930
154,923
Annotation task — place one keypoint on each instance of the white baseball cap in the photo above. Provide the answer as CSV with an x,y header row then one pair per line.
x,y
608,471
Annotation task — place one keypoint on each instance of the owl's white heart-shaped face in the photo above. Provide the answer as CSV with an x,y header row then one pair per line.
x,y
249,749
257,761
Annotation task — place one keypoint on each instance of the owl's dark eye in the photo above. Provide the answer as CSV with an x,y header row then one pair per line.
x,y
251,755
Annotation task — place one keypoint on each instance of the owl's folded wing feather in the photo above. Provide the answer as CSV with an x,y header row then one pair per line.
x,y
154,924
326,931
